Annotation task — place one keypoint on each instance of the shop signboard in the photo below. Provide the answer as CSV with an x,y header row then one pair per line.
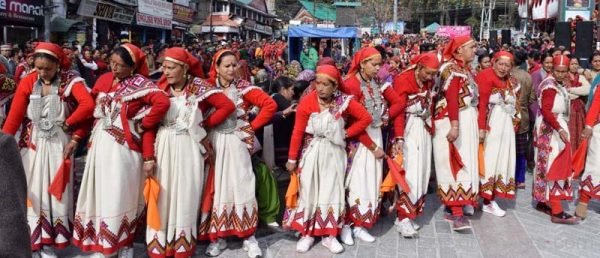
x,y
105,11
153,21
573,8
185,3
25,11
159,8
183,14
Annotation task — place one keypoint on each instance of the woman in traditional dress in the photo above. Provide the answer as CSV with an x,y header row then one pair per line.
x,y
590,180
365,152
578,89
552,174
234,208
455,141
320,121
129,108
24,67
498,118
55,103
181,145
414,88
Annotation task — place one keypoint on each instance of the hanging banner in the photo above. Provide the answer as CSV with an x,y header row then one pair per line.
x,y
453,31
160,8
574,8
105,11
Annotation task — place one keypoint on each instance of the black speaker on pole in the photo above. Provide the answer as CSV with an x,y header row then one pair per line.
x,y
584,39
506,37
562,35
493,39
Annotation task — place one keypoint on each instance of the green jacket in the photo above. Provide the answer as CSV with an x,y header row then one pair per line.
x,y
309,61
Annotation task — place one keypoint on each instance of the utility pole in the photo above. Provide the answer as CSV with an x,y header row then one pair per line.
x,y
47,16
395,14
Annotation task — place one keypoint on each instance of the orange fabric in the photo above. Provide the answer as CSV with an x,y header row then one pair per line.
x,y
561,168
579,158
456,163
454,45
29,203
398,174
56,51
388,183
291,196
361,55
139,58
481,160
61,179
151,192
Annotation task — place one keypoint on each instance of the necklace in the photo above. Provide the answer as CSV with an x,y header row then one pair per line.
x,y
223,84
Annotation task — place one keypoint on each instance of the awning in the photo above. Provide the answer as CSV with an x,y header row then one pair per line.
x,y
59,24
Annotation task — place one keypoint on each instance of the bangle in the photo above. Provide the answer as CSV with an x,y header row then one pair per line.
x,y
399,139
148,161
373,147
291,161
587,126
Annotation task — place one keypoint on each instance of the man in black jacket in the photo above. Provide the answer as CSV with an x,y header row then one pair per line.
x,y
14,231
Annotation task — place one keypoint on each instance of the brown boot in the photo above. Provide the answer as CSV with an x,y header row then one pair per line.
x,y
581,210
564,218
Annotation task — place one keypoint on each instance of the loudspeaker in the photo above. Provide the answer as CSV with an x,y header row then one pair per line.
x,y
562,35
506,37
584,38
493,39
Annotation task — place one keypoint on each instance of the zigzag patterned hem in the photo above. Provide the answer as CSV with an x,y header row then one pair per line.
x,y
403,204
458,197
366,220
588,187
497,194
128,242
305,231
49,242
213,236
170,250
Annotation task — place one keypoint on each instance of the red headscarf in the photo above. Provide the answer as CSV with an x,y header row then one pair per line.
x,y
332,72
139,59
560,60
454,45
55,51
326,61
363,54
183,57
505,54
428,60
212,73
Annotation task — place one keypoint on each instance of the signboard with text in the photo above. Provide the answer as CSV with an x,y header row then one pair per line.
x,y
25,11
574,8
105,11
453,31
159,8
153,21
183,14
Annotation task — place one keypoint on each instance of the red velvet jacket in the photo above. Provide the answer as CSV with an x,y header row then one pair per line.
x,y
309,104
79,97
593,115
352,87
405,84
158,101
254,96
487,80
547,106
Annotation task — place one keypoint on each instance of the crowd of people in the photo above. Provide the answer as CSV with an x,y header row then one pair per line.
x,y
181,140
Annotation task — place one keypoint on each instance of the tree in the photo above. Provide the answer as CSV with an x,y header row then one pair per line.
x,y
380,10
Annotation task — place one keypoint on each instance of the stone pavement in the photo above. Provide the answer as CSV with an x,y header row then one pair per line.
x,y
523,232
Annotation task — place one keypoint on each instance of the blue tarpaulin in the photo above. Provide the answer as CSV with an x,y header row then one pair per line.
x,y
312,32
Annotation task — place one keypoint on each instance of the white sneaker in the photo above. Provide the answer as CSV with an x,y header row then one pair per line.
x,y
216,248
273,224
363,235
47,252
415,225
304,244
251,246
126,252
332,244
346,235
468,210
405,227
494,209
96,255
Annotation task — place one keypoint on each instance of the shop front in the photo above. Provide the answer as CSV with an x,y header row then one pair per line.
x,y
153,21
108,19
183,17
21,20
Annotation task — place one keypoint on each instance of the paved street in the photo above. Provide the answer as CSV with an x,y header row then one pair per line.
x,y
524,232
